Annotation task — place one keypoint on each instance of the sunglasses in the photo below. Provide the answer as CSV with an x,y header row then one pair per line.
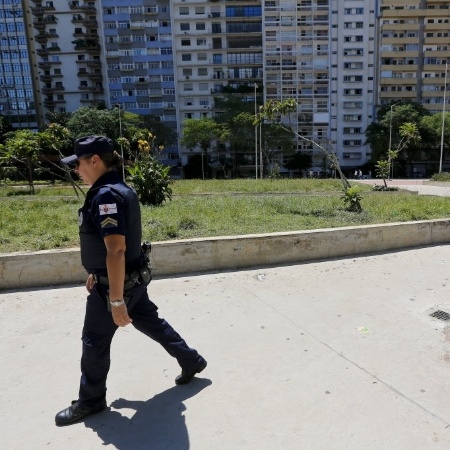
x,y
77,161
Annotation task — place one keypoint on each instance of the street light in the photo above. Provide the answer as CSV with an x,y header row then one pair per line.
x,y
260,147
390,140
443,119
117,105
256,138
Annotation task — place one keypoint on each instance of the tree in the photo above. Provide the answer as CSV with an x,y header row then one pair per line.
x,y
409,134
23,147
275,140
165,135
276,111
433,125
386,130
298,161
87,121
202,133
60,118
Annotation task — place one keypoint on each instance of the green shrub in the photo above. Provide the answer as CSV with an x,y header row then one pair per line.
x,y
151,180
443,176
378,187
352,198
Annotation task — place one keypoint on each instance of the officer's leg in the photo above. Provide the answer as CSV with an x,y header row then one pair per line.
x,y
98,332
145,319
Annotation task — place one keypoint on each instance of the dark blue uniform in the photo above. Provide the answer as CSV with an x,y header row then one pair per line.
x,y
112,207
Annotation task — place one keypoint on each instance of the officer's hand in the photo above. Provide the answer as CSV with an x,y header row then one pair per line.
x,y
120,315
90,283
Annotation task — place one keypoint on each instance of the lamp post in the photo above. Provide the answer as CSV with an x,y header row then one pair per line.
x,y
260,147
121,143
443,120
390,141
256,138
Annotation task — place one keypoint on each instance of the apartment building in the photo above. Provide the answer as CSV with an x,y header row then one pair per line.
x,y
67,55
139,63
353,77
296,65
414,50
218,50
18,87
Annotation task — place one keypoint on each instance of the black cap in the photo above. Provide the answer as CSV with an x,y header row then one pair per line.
x,y
89,145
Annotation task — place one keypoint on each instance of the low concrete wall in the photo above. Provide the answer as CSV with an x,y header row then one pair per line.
x,y
22,270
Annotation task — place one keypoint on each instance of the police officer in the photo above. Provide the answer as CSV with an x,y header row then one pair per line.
x,y
110,242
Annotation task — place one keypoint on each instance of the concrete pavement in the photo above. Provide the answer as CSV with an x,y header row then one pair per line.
x,y
421,187
337,354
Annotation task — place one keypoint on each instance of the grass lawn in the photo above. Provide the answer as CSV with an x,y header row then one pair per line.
x,y
211,208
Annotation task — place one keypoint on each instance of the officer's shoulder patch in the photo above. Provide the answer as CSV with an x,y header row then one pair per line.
x,y
108,222
108,208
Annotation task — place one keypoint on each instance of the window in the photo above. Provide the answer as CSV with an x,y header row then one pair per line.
x,y
200,26
202,71
186,57
188,87
185,42
184,11
184,26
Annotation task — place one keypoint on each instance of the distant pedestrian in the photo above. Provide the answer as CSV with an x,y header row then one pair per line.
x,y
356,175
359,174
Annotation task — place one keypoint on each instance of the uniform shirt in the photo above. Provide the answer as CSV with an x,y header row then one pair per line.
x,y
111,207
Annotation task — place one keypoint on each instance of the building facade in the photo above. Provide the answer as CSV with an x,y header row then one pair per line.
x,y
353,75
67,55
339,59
414,50
18,85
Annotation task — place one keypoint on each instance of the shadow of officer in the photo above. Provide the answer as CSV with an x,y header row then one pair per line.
x,y
158,423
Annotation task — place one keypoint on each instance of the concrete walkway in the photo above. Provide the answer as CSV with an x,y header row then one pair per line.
x,y
421,187
339,354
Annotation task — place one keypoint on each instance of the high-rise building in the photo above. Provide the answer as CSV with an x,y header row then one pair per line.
x,y
339,59
67,54
139,62
18,86
353,69
414,50
218,50
297,66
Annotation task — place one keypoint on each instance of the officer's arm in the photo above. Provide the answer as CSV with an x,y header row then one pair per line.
x,y
115,263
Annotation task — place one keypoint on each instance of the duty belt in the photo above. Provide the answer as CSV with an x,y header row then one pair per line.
x,y
130,280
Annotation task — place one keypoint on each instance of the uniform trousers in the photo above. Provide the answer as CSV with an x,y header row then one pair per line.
x,y
99,330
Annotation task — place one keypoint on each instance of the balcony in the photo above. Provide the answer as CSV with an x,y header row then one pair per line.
x,y
86,45
54,48
42,52
46,78
39,24
52,89
42,37
44,65
90,23
95,76
40,9
75,6
93,62
49,103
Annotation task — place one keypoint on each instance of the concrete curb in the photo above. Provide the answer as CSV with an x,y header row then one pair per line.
x,y
53,267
